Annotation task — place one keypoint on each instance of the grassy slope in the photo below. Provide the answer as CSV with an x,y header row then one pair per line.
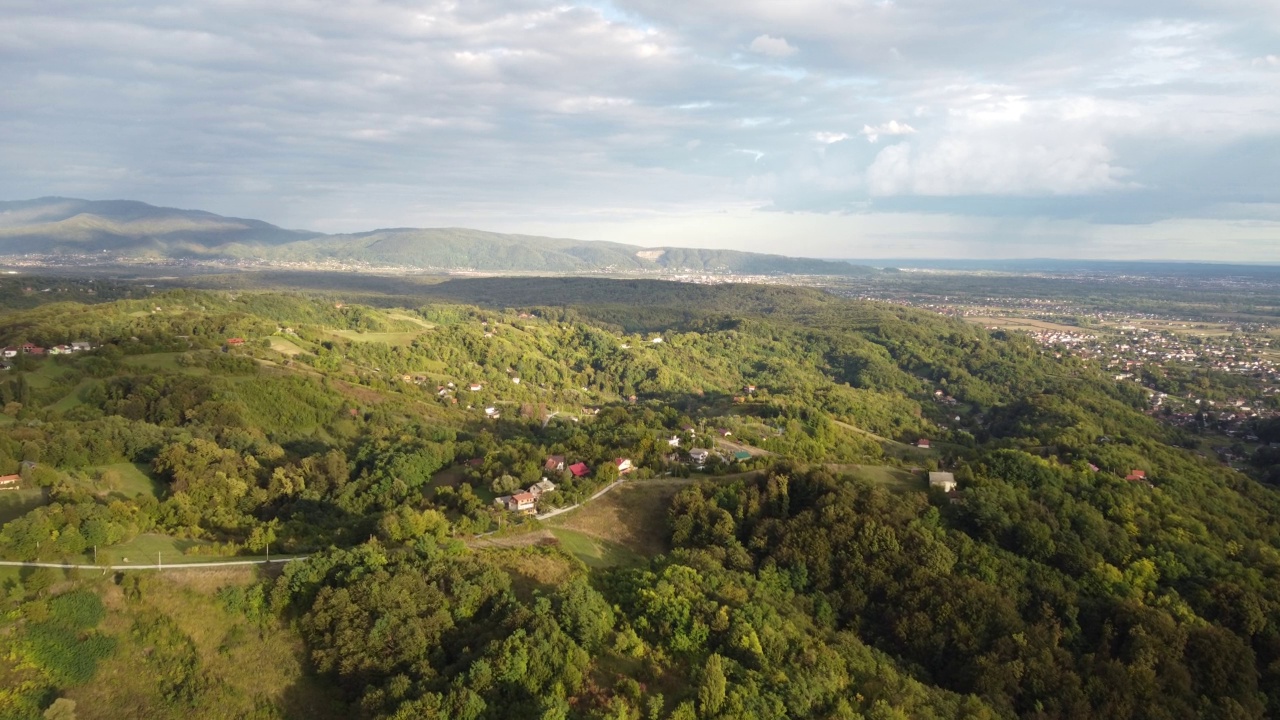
x,y
241,667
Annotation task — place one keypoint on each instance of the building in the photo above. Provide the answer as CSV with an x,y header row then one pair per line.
x,y
580,469
10,482
1136,475
542,486
475,387
554,463
699,456
234,341
522,502
674,441
923,443
623,465
944,481
741,456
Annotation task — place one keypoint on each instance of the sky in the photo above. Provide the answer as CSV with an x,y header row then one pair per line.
x,y
1111,129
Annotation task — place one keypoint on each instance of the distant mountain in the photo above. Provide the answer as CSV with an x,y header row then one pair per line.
x,y
67,225
122,228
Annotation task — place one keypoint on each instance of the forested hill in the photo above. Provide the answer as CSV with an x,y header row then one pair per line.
x,y
803,568
128,229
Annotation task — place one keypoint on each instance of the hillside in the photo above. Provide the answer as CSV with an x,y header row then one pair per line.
x,y
803,568
132,230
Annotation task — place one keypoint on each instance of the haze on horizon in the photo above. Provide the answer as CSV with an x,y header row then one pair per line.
x,y
856,129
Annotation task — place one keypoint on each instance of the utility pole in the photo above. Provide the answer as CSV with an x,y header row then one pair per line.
x,y
268,552
95,554
159,563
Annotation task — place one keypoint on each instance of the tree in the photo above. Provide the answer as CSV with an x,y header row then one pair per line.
x,y
711,692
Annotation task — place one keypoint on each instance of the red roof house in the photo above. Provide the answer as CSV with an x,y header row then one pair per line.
x,y
554,463
1136,475
623,465
579,469
923,443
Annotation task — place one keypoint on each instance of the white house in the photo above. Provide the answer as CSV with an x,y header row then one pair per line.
x,y
944,481
699,456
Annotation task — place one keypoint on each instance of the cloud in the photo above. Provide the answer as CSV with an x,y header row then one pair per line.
x,y
540,112
893,127
772,46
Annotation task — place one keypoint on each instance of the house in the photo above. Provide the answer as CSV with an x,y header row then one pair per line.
x,y
10,482
1093,468
750,388
32,349
10,352
923,443
632,399
1136,475
60,350
522,502
693,432
674,441
724,432
515,380
492,412
475,462
741,456
78,346
699,456
233,342
656,341
579,469
623,465
554,463
542,486
944,481
475,387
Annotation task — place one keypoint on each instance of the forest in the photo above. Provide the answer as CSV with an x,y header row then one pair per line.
x,y
1089,563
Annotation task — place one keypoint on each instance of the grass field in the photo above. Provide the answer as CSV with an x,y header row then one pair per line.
x,y
390,338
237,668
143,550
129,479
595,552
73,399
285,346
16,503
409,318
891,477
632,516
162,361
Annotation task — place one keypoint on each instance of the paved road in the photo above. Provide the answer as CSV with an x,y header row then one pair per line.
x,y
559,511
131,566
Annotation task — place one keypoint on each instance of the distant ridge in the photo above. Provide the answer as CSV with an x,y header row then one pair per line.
x,y
135,230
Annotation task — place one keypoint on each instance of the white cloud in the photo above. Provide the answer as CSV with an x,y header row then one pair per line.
x,y
893,127
772,46
830,138
1267,61
993,165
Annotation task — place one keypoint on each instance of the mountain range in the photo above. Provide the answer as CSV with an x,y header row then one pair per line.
x,y
125,229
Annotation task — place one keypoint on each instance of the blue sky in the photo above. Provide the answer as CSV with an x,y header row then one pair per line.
x,y
887,128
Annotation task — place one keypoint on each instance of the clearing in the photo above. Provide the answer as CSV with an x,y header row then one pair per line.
x,y
632,516
182,654
891,477
128,479
390,338
144,549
